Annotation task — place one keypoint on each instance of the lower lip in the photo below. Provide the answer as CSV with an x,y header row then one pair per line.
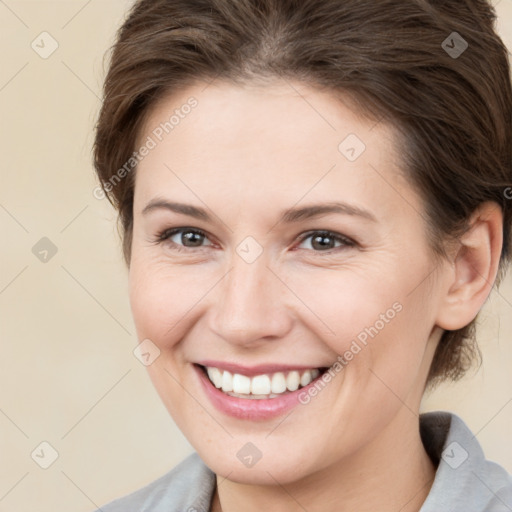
x,y
251,409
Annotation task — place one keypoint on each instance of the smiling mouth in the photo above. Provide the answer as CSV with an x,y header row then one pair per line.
x,y
263,386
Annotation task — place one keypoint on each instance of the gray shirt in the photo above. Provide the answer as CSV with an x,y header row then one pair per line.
x,y
464,481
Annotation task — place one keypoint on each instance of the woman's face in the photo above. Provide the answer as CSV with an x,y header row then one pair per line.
x,y
298,246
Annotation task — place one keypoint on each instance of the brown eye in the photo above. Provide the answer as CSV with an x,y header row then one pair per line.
x,y
183,237
322,241
191,238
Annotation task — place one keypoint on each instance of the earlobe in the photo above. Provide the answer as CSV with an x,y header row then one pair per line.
x,y
473,269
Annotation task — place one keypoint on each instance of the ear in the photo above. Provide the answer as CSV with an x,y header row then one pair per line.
x,y
473,268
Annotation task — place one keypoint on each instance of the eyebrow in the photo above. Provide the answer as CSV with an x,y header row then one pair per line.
x,y
290,215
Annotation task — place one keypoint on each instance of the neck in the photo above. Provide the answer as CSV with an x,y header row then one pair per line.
x,y
391,473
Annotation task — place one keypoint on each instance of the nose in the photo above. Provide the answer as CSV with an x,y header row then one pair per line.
x,y
250,305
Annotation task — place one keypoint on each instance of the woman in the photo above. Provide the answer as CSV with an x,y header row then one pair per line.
x,y
315,204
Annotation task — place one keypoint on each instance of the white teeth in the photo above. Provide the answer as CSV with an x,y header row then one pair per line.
x,y
215,376
251,396
306,378
241,384
278,383
293,380
227,382
260,386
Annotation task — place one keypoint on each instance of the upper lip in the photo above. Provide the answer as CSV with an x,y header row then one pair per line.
x,y
259,369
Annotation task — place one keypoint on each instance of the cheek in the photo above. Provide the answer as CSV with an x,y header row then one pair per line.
x,y
345,304
372,322
162,298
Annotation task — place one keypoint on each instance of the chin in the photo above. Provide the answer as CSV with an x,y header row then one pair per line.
x,y
282,467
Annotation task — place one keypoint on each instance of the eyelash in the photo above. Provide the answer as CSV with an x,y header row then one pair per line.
x,y
168,233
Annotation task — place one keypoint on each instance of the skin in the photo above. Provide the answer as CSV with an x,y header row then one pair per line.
x,y
245,154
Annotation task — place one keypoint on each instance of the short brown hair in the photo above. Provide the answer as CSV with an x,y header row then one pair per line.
x,y
398,60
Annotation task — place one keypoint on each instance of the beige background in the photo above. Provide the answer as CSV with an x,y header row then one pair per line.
x,y
68,374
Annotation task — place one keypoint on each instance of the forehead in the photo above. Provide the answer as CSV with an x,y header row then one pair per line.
x,y
291,110
257,142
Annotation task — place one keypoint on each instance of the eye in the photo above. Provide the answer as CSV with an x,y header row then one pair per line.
x,y
325,241
182,238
